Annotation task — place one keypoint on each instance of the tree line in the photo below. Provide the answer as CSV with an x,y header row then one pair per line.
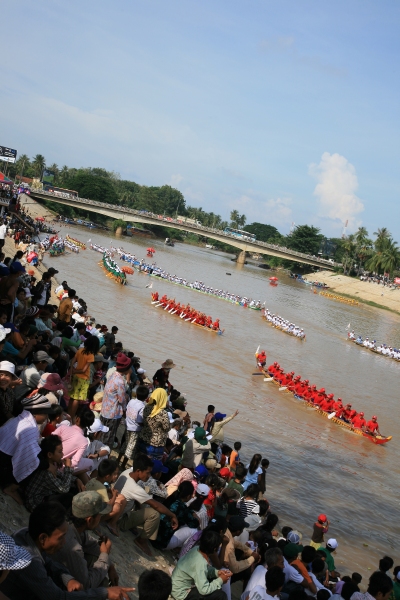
x,y
357,252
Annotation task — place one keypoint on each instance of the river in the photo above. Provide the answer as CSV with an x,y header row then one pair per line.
x,y
315,466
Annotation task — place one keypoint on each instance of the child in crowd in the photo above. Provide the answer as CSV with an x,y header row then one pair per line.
x,y
107,475
173,433
209,418
321,526
55,417
96,450
223,455
238,479
234,458
262,480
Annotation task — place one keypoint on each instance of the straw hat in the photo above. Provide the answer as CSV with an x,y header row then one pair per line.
x,y
168,364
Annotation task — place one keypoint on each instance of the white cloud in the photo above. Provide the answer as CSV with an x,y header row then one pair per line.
x,y
175,180
336,189
275,211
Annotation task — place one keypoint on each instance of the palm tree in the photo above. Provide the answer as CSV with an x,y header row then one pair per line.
x,y
21,164
349,247
242,221
381,235
63,175
56,170
38,164
235,219
386,259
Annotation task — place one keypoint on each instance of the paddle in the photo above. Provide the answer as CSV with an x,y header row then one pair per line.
x,y
172,313
258,373
155,302
282,389
268,378
188,319
331,415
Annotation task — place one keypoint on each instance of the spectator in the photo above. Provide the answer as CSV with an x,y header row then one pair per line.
x,y
31,375
154,585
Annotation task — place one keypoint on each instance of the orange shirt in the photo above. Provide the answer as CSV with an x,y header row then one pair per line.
x,y
303,571
233,460
83,363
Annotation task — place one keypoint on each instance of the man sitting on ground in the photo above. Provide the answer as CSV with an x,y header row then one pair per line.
x,y
147,518
45,536
87,562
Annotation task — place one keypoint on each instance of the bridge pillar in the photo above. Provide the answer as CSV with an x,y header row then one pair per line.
x,y
241,258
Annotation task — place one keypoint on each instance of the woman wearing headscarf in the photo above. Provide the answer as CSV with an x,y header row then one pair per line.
x,y
156,425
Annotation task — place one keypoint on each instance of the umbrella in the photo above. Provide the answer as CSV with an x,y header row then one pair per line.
x,y
127,270
39,219
273,279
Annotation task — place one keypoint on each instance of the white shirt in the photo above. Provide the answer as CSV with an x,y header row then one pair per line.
x,y
130,490
3,231
318,585
134,415
260,593
173,434
291,573
256,580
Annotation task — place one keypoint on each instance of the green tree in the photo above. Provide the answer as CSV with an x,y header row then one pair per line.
x,y
305,238
241,221
38,164
263,232
382,234
386,259
93,187
235,216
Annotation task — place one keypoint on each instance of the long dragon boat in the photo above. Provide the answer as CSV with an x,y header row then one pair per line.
x,y
378,439
301,338
76,242
112,269
171,310
374,350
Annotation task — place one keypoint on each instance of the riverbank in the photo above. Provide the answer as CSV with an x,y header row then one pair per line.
x,y
368,293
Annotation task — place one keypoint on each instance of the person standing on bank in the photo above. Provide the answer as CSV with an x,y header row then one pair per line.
x,y
115,398
161,377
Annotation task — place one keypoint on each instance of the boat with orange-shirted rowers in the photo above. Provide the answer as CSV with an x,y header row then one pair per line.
x,y
378,439
186,313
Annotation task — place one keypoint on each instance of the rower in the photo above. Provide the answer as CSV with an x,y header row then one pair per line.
x,y
338,406
359,422
262,358
373,427
327,403
319,396
346,413
272,368
215,325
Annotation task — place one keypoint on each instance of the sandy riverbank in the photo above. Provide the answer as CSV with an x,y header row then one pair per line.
x,y
373,293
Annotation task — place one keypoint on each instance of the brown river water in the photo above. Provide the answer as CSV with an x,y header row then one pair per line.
x,y
316,466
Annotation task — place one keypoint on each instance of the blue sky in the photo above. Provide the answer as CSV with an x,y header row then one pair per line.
x,y
287,111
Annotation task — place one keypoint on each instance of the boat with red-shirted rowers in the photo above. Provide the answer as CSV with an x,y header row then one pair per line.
x,y
186,313
376,439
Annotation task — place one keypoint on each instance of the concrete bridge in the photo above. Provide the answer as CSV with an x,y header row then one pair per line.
x,y
137,216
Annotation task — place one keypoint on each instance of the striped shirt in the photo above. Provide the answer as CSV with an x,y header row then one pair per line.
x,y
19,438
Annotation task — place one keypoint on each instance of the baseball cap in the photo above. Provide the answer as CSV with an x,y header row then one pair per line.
x,y
12,557
237,522
141,371
41,355
293,537
98,426
292,550
225,472
332,544
323,518
88,504
201,471
158,467
219,416
211,463
202,489
52,270
16,267
100,358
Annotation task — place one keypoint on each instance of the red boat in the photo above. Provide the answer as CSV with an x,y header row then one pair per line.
x,y
375,439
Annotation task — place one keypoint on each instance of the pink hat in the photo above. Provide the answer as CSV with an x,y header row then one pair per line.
x,y
51,382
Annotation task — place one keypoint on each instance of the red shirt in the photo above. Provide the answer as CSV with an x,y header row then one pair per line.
x,y
372,425
359,422
48,430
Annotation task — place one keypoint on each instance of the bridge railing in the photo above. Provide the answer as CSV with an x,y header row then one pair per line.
x,y
201,228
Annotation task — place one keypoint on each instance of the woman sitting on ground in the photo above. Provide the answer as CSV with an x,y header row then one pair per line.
x,y
188,521
49,481
75,442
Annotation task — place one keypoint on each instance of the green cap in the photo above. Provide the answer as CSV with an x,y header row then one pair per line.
x,y
292,550
89,504
200,436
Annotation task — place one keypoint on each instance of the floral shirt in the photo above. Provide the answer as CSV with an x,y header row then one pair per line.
x,y
114,398
155,429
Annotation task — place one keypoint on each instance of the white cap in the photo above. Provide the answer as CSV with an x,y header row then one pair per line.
x,y
332,543
141,371
98,426
202,489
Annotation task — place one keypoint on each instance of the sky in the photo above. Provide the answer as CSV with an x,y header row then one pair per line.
x,y
286,111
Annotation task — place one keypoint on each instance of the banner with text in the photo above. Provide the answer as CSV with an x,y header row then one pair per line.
x,y
8,154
